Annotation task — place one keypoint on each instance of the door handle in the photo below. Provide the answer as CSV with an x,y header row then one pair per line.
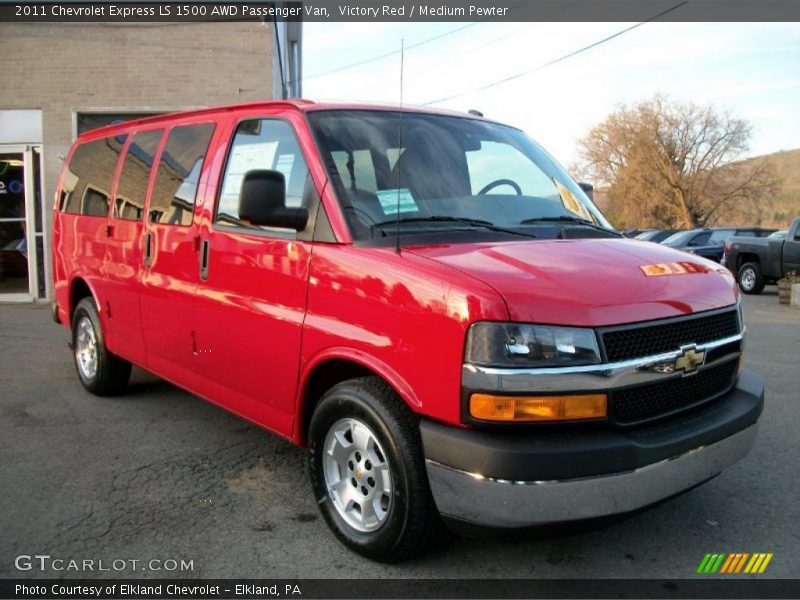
x,y
148,248
205,246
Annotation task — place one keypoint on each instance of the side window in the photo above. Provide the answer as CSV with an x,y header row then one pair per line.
x,y
132,186
719,236
700,239
261,144
179,170
87,181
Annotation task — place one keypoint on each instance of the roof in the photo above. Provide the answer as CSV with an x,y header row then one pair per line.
x,y
300,105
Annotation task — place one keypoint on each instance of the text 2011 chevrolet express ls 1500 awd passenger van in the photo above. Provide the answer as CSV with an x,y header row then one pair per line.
x,y
426,300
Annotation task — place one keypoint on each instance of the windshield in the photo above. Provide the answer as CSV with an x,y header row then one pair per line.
x,y
440,173
678,239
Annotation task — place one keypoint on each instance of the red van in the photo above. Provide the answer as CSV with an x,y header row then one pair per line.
x,y
424,299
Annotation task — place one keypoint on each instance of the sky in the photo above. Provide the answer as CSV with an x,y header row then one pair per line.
x,y
749,69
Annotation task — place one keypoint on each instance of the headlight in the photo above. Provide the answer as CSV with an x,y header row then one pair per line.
x,y
517,345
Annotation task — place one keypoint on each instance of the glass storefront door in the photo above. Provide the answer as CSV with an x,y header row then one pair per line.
x,y
22,258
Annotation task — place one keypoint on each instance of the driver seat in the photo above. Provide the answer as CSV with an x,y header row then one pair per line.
x,y
432,166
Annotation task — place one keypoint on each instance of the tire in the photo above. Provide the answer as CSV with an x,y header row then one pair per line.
x,y
100,371
750,278
399,517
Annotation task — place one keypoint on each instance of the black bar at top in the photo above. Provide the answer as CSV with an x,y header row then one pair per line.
x,y
403,11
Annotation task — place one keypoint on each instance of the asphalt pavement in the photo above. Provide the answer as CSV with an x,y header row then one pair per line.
x,y
160,475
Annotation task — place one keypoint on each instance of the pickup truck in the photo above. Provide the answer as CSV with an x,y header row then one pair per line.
x,y
759,261
708,242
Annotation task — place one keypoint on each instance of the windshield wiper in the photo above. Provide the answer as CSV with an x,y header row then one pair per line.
x,y
568,219
448,219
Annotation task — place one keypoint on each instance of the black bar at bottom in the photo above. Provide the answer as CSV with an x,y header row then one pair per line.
x,y
703,587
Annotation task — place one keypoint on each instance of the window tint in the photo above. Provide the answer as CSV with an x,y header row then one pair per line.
x,y
132,186
87,180
261,144
439,172
701,239
179,170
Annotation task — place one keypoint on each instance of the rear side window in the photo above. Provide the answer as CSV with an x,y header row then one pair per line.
x,y
87,179
132,186
178,175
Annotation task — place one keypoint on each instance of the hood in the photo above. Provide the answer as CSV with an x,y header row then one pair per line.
x,y
590,282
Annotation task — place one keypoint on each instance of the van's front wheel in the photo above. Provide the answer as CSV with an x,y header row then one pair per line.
x,y
368,471
100,371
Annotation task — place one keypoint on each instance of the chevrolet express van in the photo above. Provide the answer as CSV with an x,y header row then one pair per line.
x,y
423,299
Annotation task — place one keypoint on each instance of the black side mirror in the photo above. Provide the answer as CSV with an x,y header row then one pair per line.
x,y
588,189
262,201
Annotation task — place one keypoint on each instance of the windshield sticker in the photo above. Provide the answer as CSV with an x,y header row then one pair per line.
x,y
571,203
394,201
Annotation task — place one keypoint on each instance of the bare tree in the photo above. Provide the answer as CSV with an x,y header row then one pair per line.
x,y
669,164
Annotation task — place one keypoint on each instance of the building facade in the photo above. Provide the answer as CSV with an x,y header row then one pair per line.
x,y
60,80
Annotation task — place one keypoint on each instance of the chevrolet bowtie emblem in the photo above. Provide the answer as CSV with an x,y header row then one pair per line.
x,y
690,359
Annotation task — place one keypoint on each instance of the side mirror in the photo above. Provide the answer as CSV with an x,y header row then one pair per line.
x,y
588,189
262,201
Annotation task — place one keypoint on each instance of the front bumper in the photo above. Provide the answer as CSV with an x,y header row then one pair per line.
x,y
504,480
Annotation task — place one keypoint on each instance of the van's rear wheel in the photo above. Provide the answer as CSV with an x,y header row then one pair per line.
x,y
751,280
100,371
368,471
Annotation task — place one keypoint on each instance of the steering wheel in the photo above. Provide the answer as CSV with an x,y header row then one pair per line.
x,y
499,182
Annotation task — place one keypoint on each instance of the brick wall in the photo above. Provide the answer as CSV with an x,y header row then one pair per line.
x,y
64,68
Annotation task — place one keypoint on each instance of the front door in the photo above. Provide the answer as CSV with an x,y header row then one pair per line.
x,y
791,253
251,298
21,237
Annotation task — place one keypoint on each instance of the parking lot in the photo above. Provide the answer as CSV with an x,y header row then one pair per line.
x,y
160,474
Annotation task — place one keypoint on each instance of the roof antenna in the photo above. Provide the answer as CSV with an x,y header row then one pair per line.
x,y
399,148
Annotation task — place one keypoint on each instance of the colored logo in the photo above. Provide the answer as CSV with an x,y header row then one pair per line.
x,y
738,562
690,360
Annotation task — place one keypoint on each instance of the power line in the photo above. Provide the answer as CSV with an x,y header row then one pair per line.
x,y
441,63
557,60
420,43
392,53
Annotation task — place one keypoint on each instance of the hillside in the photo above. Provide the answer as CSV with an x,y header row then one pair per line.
x,y
779,210
776,211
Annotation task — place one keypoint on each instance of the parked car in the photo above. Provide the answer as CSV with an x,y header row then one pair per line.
x,y
632,233
709,242
656,235
757,262
452,328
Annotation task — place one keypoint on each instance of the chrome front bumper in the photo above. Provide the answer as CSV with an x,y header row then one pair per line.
x,y
501,503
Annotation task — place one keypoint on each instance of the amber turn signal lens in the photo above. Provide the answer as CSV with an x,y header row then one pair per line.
x,y
488,407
